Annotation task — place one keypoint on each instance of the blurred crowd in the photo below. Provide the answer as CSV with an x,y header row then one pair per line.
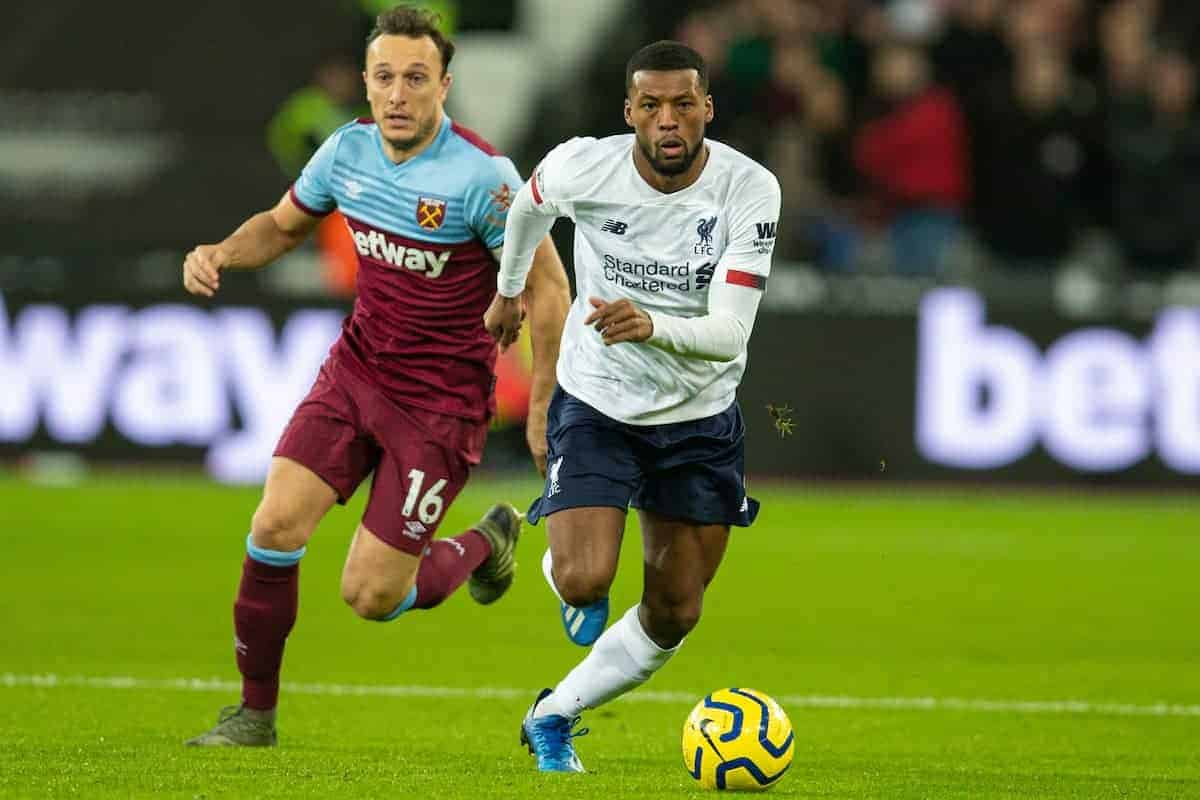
x,y
920,135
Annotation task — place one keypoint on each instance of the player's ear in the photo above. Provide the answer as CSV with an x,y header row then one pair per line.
x,y
628,112
447,79
708,108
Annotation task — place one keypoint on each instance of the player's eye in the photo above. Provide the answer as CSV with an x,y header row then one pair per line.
x,y
383,77
686,105
417,80
647,106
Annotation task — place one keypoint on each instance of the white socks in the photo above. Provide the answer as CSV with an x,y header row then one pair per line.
x,y
548,571
623,658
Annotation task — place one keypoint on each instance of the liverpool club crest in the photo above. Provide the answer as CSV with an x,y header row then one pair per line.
x,y
431,213
704,230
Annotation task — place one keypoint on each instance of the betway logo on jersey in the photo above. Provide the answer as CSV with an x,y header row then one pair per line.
x,y
397,252
649,276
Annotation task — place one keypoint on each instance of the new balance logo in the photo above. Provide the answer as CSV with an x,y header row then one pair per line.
x,y
240,646
704,275
614,226
414,529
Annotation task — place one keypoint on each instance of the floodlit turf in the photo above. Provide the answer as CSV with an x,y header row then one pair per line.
x,y
865,595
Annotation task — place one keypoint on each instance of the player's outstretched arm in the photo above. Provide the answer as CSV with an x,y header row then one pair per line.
x,y
526,227
257,242
548,298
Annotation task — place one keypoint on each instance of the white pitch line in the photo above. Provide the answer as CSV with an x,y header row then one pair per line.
x,y
51,681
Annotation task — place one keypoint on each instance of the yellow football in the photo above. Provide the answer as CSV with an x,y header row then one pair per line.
x,y
737,739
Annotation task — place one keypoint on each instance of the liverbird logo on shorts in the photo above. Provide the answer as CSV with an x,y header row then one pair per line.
x,y
554,468
431,213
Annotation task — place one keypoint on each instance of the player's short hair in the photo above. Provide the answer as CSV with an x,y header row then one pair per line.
x,y
666,55
414,23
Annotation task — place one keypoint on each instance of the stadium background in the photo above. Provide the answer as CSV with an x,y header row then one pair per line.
x,y
1048,170
986,276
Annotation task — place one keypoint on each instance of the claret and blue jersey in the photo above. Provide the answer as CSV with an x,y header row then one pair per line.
x,y
424,230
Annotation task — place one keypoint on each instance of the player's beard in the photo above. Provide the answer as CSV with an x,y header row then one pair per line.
x,y
670,168
424,131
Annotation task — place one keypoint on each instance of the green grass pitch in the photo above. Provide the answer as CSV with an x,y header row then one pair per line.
x,y
910,605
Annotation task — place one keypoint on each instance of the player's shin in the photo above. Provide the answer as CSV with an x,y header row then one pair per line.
x,y
485,555
447,565
263,615
623,658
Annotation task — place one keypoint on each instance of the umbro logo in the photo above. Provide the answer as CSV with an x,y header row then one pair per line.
x,y
414,529
354,189
614,226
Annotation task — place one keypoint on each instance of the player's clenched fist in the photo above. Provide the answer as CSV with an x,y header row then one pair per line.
x,y
202,270
621,321
503,319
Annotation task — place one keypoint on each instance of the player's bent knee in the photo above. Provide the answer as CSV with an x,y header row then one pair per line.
x,y
273,528
581,588
371,601
668,623
370,605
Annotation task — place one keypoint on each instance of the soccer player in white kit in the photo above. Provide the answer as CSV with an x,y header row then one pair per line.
x,y
673,244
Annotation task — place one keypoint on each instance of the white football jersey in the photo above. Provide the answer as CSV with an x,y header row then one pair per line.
x,y
662,251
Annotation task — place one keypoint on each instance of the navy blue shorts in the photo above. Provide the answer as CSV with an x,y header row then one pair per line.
x,y
691,470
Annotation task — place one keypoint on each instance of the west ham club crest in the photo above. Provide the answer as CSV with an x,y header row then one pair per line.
x,y
431,213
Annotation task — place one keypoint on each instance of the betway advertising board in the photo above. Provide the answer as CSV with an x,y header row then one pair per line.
x,y
165,379
954,392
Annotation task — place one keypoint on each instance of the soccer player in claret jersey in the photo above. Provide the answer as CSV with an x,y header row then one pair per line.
x,y
673,241
406,391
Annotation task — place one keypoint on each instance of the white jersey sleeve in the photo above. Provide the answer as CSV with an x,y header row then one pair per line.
x,y
524,228
561,177
545,197
738,282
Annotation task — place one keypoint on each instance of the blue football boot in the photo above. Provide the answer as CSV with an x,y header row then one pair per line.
x,y
549,738
583,625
